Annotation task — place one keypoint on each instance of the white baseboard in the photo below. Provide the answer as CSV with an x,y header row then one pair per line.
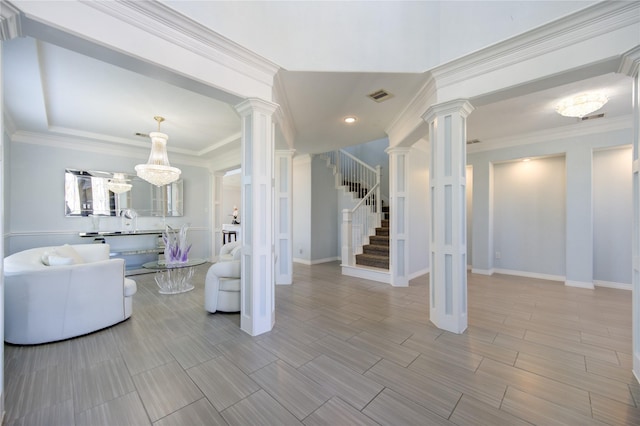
x,y
529,274
419,273
482,271
609,284
315,261
367,273
579,284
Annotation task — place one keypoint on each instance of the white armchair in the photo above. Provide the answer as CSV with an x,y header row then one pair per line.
x,y
230,251
222,287
54,293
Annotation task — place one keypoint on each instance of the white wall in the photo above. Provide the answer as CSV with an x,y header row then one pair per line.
x,y
419,210
491,233
35,204
529,216
383,35
302,208
612,208
469,190
324,204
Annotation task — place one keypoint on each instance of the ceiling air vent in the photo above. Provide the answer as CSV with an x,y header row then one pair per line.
x,y
380,95
592,117
472,141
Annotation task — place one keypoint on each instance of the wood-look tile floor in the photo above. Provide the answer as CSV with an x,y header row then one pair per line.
x,y
344,351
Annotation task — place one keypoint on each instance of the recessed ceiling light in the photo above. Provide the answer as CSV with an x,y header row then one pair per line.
x,y
350,120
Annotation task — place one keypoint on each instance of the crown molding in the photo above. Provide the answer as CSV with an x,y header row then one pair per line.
x,y
630,64
10,21
283,113
9,124
160,20
102,146
565,132
236,137
599,19
402,130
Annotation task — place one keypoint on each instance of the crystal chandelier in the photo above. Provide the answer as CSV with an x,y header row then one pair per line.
x,y
118,184
581,105
157,171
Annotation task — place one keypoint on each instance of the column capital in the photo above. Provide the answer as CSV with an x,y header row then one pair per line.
x,y
287,152
395,150
10,22
461,106
251,105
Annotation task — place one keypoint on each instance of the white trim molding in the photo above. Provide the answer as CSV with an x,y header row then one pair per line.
x,y
609,284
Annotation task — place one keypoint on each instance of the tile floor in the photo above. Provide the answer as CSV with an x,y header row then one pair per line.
x,y
344,351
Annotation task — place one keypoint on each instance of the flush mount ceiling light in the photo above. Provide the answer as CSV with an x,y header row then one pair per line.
x,y
581,105
158,171
118,184
350,119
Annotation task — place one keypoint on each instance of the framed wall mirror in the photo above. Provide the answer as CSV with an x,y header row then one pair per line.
x,y
91,193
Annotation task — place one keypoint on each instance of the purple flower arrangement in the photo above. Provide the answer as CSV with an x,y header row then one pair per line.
x,y
176,249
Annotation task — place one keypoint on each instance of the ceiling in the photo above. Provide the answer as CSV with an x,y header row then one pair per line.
x,y
49,89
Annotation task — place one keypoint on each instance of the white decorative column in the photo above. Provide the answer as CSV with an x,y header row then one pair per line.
x,y
10,27
631,67
284,216
398,216
216,218
448,277
257,187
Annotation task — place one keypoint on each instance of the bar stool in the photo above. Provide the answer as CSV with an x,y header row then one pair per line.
x,y
226,236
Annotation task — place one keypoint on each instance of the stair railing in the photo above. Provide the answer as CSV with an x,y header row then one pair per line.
x,y
359,222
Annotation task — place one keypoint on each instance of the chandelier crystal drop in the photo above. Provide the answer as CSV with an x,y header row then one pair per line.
x,y
581,105
118,184
157,170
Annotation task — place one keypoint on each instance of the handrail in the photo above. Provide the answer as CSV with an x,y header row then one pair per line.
x,y
357,160
367,195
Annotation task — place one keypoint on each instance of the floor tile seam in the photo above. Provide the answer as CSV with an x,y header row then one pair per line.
x,y
77,414
630,381
581,387
508,382
553,348
588,346
275,398
559,406
423,376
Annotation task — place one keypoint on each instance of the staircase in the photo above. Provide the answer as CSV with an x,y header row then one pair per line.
x,y
363,255
376,253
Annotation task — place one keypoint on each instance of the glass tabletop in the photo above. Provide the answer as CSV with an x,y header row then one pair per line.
x,y
160,264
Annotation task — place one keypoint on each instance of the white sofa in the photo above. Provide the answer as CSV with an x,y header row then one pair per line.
x,y
86,292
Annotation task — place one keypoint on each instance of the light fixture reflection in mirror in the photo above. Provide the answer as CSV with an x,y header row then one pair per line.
x,y
118,184
87,193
